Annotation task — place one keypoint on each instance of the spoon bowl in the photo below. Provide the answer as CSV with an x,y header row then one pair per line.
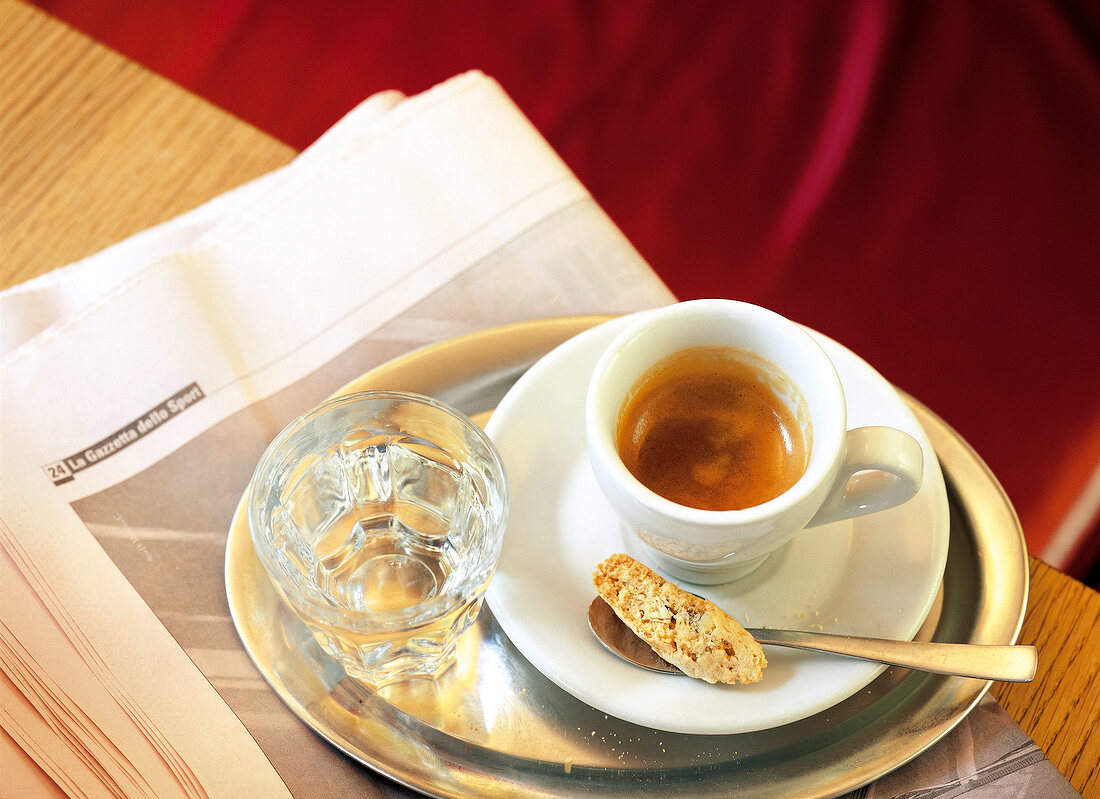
x,y
978,661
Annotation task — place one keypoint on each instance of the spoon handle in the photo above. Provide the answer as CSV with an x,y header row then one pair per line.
x,y
981,661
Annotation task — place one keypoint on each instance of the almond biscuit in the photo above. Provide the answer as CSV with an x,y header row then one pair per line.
x,y
691,633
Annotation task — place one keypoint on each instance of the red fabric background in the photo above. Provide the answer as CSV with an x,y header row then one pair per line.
x,y
918,181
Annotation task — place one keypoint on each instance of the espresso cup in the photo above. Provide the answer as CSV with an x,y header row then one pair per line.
x,y
842,473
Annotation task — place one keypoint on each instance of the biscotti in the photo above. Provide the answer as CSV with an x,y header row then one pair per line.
x,y
689,632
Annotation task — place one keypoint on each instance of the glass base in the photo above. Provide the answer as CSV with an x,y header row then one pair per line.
x,y
380,661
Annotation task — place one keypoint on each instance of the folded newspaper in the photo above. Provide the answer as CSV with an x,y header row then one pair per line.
x,y
140,386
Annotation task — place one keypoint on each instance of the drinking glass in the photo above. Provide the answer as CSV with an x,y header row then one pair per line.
x,y
379,517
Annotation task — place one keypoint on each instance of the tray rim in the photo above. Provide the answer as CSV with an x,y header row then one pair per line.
x,y
516,346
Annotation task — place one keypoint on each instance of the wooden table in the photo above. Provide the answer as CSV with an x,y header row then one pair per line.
x,y
95,148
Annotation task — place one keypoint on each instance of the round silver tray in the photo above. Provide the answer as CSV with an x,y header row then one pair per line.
x,y
494,725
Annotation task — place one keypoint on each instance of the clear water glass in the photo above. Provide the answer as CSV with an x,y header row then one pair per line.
x,y
379,516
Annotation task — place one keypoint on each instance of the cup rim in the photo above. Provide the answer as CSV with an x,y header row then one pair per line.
x,y
825,449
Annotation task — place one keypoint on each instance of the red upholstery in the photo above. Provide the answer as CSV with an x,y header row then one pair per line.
x,y
919,181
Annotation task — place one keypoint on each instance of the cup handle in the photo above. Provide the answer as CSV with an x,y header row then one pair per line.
x,y
882,467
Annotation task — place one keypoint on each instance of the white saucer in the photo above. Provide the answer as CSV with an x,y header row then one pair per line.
x,y
874,576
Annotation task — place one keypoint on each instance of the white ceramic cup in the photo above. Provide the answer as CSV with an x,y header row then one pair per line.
x,y
849,472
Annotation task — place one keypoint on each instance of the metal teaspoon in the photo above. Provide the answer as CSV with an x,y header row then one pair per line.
x,y
980,661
